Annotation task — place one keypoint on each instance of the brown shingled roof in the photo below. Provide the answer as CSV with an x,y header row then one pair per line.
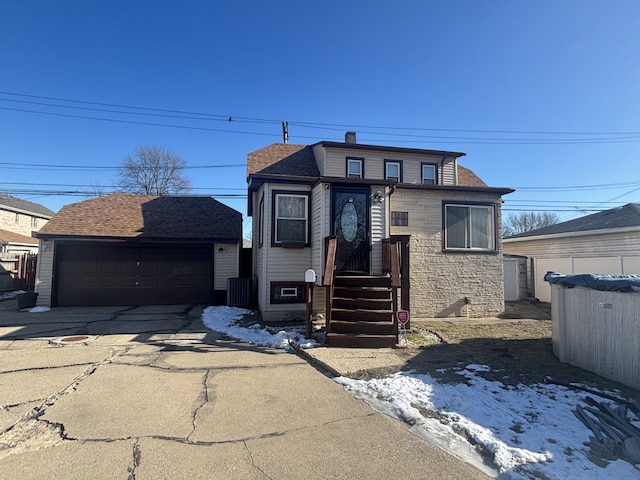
x,y
469,179
10,237
283,159
140,216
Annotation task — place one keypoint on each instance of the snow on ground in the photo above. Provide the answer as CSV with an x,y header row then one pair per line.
x,y
222,319
526,432
39,309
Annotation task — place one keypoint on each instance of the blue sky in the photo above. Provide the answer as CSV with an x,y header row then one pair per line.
x,y
542,96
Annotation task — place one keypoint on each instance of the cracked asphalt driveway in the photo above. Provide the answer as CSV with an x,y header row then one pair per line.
x,y
150,393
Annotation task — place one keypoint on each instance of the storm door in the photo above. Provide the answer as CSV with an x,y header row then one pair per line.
x,y
350,225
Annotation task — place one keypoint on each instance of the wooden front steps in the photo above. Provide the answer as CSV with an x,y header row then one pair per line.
x,y
362,313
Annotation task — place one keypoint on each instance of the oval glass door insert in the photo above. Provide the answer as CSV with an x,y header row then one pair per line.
x,y
349,222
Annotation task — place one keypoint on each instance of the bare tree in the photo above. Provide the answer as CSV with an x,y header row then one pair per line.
x,y
153,171
527,221
96,190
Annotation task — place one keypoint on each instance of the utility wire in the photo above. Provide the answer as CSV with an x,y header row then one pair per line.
x,y
319,124
97,167
620,137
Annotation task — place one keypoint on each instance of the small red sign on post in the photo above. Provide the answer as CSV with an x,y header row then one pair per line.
x,y
403,316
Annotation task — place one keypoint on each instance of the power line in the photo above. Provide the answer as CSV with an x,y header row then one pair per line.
x,y
133,122
620,137
87,193
227,117
106,186
22,165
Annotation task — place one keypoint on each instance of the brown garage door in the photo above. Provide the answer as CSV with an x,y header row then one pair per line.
x,y
107,274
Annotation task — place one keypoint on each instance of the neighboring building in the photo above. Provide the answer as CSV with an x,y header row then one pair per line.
x,y
19,219
445,216
606,242
134,249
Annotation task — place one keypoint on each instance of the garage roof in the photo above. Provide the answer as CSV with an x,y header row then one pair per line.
x,y
619,217
11,237
147,218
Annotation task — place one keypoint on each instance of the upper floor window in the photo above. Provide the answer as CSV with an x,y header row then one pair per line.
x,y
355,167
34,222
429,174
469,227
291,218
393,170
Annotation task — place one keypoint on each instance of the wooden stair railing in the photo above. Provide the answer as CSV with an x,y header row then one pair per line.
x,y
328,280
360,310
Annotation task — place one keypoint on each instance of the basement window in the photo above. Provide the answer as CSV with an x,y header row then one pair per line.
x,y
288,292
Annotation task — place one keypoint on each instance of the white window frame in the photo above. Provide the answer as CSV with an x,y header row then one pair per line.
x,y
396,163
276,216
434,179
360,167
288,292
470,239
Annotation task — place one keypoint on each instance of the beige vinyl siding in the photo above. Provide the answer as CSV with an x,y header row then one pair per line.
x,y
335,165
44,272
605,252
225,264
587,244
277,264
448,172
440,281
379,230
320,227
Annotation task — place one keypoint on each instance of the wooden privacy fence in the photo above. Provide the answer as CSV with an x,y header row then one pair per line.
x,y
18,272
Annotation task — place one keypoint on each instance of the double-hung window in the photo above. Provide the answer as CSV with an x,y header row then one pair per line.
x,y
355,167
469,227
393,170
429,174
291,218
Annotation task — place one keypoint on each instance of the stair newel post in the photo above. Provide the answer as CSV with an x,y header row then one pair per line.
x,y
328,279
394,264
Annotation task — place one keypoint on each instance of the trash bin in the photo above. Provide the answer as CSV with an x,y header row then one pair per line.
x,y
27,300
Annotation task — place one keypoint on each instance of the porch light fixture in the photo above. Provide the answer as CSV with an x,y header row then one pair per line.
x,y
222,250
377,197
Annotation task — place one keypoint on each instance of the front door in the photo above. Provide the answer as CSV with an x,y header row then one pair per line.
x,y
350,225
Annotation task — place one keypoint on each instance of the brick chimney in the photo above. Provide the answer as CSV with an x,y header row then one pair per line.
x,y
350,137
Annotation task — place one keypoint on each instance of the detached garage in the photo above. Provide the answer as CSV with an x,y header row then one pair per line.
x,y
139,250
606,242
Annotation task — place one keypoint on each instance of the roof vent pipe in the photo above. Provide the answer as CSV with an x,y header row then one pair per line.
x,y
350,137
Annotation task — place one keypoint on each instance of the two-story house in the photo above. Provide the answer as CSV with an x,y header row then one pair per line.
x,y
18,220
444,219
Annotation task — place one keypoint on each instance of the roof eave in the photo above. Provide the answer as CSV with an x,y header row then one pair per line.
x,y
550,236
256,180
141,239
457,188
382,148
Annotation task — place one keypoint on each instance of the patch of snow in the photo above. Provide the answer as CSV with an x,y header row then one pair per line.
x,y
39,309
223,319
510,432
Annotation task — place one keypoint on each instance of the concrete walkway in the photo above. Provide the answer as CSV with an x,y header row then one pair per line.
x,y
149,393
